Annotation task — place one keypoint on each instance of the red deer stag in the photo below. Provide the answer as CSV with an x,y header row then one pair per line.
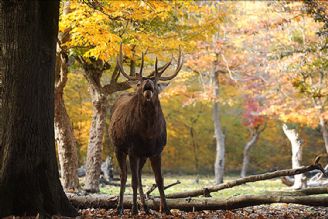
x,y
138,130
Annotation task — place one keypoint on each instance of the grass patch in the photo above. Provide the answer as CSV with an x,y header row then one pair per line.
x,y
189,182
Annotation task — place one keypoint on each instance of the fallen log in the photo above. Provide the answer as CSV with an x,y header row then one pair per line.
x,y
302,192
253,178
197,204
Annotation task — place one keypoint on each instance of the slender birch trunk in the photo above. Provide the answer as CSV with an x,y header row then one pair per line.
x,y
319,105
219,136
254,137
293,137
324,131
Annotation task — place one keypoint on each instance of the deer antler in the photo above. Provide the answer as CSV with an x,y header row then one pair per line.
x,y
141,66
121,69
157,72
179,66
161,69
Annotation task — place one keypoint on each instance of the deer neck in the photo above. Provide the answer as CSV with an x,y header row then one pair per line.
x,y
148,113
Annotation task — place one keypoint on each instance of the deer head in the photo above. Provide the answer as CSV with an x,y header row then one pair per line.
x,y
148,87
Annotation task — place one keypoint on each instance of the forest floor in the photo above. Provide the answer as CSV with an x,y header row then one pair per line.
x,y
193,182
274,211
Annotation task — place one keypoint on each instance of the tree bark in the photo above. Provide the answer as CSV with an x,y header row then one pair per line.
x,y
303,192
1,90
207,190
93,70
254,137
293,137
195,148
324,130
219,136
108,149
67,151
29,179
198,204
93,162
64,134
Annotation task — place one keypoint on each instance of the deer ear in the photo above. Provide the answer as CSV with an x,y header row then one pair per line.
x,y
161,86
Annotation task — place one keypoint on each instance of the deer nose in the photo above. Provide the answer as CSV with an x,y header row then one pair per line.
x,y
148,85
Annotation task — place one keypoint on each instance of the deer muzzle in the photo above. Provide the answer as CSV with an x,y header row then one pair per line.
x,y
148,94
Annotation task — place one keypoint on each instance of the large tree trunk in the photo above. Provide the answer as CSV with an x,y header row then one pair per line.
x,y
293,137
219,136
92,72
93,163
29,179
254,137
67,150
1,90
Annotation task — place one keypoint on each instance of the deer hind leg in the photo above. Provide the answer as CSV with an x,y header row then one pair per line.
x,y
141,193
134,165
121,158
156,166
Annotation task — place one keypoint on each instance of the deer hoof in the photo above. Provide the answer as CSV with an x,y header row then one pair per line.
x,y
134,210
146,209
167,211
120,210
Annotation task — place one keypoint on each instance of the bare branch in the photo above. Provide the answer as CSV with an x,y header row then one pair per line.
x,y
116,86
120,66
154,186
206,191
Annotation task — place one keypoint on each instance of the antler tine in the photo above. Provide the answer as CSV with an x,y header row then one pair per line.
x,y
161,69
142,65
180,63
156,69
120,66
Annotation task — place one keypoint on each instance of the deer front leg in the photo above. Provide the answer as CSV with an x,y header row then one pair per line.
x,y
141,193
156,166
121,158
134,165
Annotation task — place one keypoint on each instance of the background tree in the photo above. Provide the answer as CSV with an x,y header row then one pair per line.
x,y
96,49
65,139
249,66
29,180
293,136
1,91
255,122
293,34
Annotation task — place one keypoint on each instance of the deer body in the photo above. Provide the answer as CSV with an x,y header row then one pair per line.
x,y
138,130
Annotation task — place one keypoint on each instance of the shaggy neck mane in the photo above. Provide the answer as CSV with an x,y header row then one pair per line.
x,y
146,114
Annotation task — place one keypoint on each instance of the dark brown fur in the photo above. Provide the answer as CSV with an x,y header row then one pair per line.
x,y
138,129
137,126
